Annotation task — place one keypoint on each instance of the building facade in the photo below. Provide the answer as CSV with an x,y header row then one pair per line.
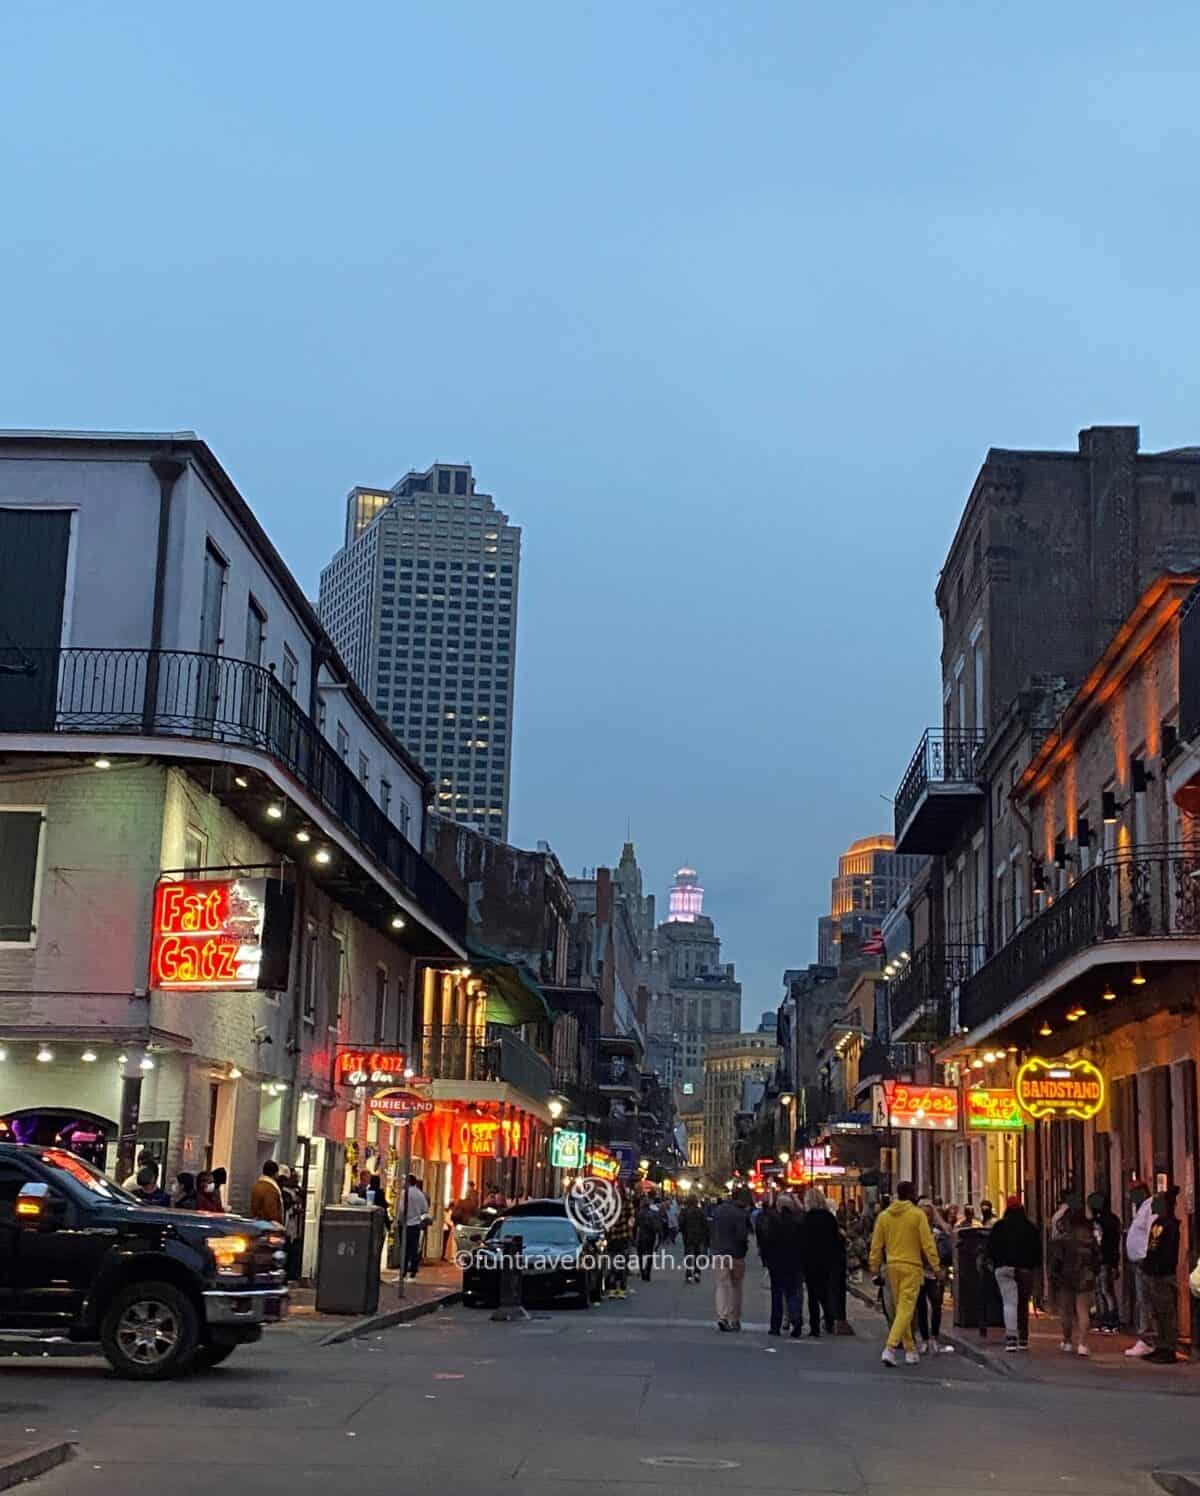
x,y
736,1068
422,602
871,875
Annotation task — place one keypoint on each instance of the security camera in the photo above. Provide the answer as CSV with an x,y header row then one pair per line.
x,y
262,1035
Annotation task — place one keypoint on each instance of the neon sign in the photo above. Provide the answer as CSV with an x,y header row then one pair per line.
x,y
991,1110
602,1164
482,1137
1056,1090
220,935
400,1106
910,1106
369,1067
567,1148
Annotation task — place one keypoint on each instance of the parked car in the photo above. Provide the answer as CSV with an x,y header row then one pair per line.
x,y
158,1291
556,1263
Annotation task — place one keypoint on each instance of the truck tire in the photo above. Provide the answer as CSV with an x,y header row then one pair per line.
x,y
150,1331
213,1355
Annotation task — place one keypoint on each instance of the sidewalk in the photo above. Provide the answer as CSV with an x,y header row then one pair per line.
x,y
438,1284
21,1460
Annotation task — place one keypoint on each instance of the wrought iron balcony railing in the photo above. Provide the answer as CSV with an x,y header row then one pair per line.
x,y
1144,894
942,758
458,1053
923,987
173,693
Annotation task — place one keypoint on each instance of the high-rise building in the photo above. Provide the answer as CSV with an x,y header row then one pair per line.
x,y
421,602
871,876
735,1068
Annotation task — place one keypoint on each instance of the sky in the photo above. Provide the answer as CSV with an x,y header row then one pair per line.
x,y
725,302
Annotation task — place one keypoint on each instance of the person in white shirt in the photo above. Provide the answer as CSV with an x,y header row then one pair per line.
x,y
414,1221
1137,1243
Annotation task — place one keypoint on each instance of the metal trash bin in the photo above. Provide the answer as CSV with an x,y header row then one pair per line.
x,y
977,1302
349,1249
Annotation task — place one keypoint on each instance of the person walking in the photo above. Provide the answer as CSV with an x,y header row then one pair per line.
x,y
730,1243
1074,1262
781,1245
1014,1250
933,1289
1161,1267
1106,1227
903,1237
145,1160
648,1230
821,1253
220,1183
1137,1241
672,1221
693,1230
620,1245
417,1209
266,1198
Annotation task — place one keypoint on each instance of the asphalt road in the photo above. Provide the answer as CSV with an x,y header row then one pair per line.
x,y
642,1395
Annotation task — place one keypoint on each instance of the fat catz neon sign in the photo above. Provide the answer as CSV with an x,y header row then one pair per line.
x,y
206,936
369,1067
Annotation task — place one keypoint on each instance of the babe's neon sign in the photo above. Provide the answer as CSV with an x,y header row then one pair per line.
x,y
921,1106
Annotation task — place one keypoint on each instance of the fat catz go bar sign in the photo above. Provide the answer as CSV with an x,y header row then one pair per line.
x,y
221,935
369,1067
1060,1090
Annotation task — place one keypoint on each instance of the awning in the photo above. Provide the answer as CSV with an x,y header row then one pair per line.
x,y
514,996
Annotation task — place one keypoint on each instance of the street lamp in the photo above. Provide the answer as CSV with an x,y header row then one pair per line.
x,y
685,1184
783,1157
555,1108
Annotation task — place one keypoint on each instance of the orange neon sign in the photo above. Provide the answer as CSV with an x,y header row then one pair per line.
x,y
921,1106
206,935
482,1137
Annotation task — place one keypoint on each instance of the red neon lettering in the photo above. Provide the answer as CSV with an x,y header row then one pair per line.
x,y
179,961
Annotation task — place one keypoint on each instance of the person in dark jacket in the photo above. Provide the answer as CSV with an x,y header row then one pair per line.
x,y
1107,1229
730,1237
620,1245
1074,1266
1161,1267
781,1246
647,1231
146,1190
693,1228
821,1253
186,1197
1014,1250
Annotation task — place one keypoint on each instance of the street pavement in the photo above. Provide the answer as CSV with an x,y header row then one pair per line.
x,y
642,1395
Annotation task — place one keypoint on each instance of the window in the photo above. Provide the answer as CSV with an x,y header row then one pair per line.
x,y
311,963
341,985
385,796
20,886
980,712
364,768
381,1001
256,632
289,671
195,848
343,742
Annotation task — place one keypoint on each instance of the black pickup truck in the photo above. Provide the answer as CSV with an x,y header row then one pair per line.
x,y
162,1291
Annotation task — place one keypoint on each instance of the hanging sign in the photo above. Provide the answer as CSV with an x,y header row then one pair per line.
x,y
1060,1090
601,1164
911,1106
220,935
369,1067
400,1106
991,1110
567,1148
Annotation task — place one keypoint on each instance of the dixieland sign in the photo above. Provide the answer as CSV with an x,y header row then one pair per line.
x,y
1060,1090
400,1106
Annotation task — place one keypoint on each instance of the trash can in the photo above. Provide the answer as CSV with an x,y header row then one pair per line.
x,y
348,1257
977,1303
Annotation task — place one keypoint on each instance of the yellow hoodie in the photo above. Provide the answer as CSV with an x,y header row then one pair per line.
x,y
902,1234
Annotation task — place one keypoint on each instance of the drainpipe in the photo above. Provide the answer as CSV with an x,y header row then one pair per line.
x,y
168,471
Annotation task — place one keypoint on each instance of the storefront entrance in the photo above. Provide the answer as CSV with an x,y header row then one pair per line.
x,y
83,1133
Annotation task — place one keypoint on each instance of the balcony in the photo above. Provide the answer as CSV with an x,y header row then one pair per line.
x,y
938,793
1142,906
175,694
920,994
497,1054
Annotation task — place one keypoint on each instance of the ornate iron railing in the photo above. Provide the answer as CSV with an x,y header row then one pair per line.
x,y
925,984
453,1052
1149,893
941,758
174,693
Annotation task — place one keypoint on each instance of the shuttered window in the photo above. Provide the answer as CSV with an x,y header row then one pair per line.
x,y
20,834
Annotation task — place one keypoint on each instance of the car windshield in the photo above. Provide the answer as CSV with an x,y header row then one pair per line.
x,y
537,1232
84,1176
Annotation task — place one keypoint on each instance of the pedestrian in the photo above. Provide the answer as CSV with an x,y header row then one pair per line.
x,y
781,1245
820,1254
1014,1250
672,1220
1106,1227
647,1229
730,1243
208,1197
1137,1241
620,1245
145,1160
1161,1267
415,1216
987,1214
1074,1262
146,1191
967,1219
933,1288
220,1183
903,1237
693,1228
266,1198
186,1197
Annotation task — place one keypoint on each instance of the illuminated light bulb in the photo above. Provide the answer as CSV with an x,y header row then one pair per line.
x,y
409,1072
88,1056
1074,1016
275,811
398,922
303,836
1012,1049
234,1073
102,763
1138,978
241,782
122,1059
45,1054
1045,1030
323,856
145,1063
976,1063
3,1053
1108,995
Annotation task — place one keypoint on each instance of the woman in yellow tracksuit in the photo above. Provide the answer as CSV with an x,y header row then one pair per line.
x,y
903,1237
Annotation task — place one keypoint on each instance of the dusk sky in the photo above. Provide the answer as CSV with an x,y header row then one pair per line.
x,y
725,302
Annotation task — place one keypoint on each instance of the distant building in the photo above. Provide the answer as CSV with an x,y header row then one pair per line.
x,y
767,1025
421,601
734,1066
871,875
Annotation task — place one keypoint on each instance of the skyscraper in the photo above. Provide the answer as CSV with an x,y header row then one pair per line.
x,y
871,876
421,602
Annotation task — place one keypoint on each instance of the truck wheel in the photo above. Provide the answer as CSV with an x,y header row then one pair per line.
x,y
150,1331
212,1355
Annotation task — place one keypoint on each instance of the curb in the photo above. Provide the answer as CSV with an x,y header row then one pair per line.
x,y
1176,1484
971,1351
33,1462
391,1317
